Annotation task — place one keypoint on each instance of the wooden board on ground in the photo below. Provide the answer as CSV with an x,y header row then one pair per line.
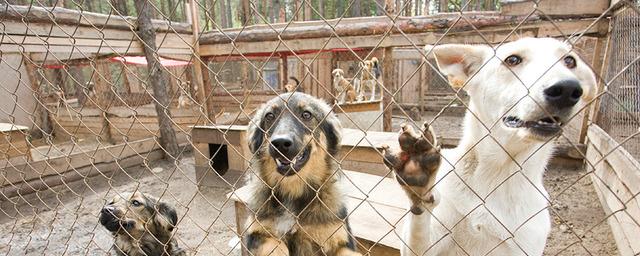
x,y
377,209
13,142
554,7
616,178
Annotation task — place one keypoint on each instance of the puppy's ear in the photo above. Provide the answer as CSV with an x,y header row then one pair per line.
x,y
255,133
166,217
459,61
331,129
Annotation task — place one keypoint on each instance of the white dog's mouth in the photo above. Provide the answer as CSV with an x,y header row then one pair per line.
x,y
545,127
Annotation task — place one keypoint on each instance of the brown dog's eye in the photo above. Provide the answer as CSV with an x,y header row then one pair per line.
x,y
306,115
136,203
513,60
570,62
269,116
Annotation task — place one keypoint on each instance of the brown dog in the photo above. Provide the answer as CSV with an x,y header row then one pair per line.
x,y
346,91
293,87
141,225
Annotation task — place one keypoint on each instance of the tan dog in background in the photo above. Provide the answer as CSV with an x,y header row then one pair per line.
x,y
293,87
345,90
368,78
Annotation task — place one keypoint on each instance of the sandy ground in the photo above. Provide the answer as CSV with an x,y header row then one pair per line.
x,y
65,223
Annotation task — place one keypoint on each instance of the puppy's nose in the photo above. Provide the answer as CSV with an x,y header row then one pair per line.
x,y
107,210
563,94
283,145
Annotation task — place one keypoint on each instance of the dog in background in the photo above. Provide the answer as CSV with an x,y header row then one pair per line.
x,y
141,225
293,87
298,206
488,195
346,91
370,74
184,100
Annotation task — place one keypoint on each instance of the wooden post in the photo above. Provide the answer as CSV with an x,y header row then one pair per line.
x,y
197,61
45,129
599,63
157,77
388,82
285,72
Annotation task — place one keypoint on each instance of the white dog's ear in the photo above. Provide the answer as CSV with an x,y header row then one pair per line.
x,y
459,61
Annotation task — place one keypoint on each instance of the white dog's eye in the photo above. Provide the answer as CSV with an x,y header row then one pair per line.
x,y
513,60
306,115
135,203
570,62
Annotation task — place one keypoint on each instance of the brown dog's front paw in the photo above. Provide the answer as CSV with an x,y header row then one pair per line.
x,y
416,165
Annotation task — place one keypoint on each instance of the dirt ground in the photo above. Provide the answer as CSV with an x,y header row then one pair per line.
x,y
65,222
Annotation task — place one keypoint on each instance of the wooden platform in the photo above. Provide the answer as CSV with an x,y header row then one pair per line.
x,y
13,143
360,150
377,208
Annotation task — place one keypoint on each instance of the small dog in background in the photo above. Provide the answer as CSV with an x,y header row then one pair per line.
x,y
293,87
370,73
141,225
184,100
345,90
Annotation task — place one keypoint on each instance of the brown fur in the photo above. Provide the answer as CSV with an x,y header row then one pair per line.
x,y
369,76
300,211
415,165
342,85
293,87
141,225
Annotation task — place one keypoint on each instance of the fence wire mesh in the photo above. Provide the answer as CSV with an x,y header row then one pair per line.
x,y
112,142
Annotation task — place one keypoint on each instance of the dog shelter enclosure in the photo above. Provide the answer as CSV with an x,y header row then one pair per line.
x,y
100,98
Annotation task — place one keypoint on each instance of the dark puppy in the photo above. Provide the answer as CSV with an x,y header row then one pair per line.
x,y
298,207
141,225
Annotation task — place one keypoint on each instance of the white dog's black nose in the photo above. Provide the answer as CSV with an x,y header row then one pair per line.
x,y
563,94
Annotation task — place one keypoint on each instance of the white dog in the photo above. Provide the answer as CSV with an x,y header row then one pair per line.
x,y
488,196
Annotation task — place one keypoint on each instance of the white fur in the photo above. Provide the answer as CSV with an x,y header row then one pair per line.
x,y
490,197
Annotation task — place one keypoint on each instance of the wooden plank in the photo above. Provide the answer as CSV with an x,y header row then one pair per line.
x,y
554,7
59,15
623,163
57,165
358,107
490,34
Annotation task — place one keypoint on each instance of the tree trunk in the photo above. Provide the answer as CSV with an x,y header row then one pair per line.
x,y
426,7
157,78
228,13
321,8
388,88
307,11
444,5
417,8
355,8
366,9
275,15
244,13
380,7
389,7
297,13
224,23
407,7
121,7
265,10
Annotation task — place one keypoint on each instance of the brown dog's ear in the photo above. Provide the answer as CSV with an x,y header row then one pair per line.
x,y
459,61
166,216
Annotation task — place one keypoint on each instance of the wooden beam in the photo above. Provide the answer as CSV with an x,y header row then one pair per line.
x,y
198,62
554,7
388,88
494,34
60,15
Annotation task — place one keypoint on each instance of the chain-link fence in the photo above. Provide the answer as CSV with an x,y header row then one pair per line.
x,y
136,127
